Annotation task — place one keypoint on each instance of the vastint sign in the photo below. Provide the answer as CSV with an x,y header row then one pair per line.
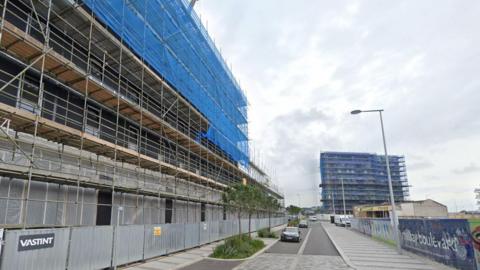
x,y
36,241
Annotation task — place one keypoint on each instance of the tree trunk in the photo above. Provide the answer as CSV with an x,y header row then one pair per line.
x,y
249,225
239,223
269,221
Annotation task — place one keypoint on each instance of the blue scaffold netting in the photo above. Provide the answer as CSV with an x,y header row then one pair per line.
x,y
172,40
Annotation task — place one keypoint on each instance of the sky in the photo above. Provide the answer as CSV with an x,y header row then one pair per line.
x,y
305,64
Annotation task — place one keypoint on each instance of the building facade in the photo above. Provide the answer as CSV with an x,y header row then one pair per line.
x,y
116,111
352,179
408,209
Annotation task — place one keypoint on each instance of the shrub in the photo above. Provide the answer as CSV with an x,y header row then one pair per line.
x,y
238,247
293,223
265,233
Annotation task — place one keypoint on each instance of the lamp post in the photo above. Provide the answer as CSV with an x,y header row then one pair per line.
x,y
343,198
333,201
390,187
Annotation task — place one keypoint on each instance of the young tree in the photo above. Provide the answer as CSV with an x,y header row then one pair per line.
x,y
270,204
235,199
243,198
293,210
254,202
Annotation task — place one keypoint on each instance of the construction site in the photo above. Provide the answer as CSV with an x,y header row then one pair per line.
x,y
117,112
352,179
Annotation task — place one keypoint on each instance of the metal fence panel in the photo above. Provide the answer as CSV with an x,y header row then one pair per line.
x,y
129,244
226,228
204,233
235,223
214,230
192,235
177,237
90,247
35,249
244,225
155,244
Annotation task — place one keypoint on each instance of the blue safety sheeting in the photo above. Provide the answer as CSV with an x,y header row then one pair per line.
x,y
168,35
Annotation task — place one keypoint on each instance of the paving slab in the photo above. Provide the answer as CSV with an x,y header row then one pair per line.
x,y
365,253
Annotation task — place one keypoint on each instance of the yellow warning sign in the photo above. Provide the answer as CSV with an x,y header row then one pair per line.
x,y
157,231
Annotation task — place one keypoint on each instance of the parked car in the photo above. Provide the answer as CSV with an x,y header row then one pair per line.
x,y
290,234
303,224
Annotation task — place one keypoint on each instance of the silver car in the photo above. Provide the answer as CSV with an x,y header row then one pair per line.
x,y
290,234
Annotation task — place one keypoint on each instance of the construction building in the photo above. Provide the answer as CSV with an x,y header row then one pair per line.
x,y
349,179
116,111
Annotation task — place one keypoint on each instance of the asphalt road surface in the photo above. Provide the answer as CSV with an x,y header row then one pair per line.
x,y
317,243
315,251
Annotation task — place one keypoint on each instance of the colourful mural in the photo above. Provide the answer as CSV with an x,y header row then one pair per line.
x,y
448,241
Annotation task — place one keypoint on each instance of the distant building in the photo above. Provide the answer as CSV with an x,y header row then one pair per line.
x,y
360,178
465,215
424,208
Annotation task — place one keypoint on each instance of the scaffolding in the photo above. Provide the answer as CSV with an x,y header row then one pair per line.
x,y
85,107
352,179
170,38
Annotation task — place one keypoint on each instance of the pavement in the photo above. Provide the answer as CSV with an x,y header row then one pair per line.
x,y
364,253
176,260
193,259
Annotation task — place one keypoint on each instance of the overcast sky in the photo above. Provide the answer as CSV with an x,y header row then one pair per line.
x,y
306,64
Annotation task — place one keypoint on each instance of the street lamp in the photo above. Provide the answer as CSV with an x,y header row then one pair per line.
x,y
390,187
343,197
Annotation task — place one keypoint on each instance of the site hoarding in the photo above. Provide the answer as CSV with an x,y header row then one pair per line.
x,y
448,241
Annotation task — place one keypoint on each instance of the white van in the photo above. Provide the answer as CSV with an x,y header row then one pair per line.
x,y
342,220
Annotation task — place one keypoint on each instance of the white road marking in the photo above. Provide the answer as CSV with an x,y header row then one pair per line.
x,y
294,264
300,251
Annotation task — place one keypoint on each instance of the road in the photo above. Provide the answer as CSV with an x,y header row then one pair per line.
x,y
317,243
315,251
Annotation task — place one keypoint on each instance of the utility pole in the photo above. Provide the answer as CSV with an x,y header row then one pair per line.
x,y
333,201
343,197
394,218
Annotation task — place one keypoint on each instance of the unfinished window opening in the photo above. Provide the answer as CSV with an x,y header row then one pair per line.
x,y
168,210
202,212
28,93
93,121
132,139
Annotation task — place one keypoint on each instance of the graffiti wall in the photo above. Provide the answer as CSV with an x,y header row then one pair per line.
x,y
475,230
377,228
448,241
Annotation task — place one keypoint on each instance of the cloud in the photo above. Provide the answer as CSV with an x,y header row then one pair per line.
x,y
472,168
422,165
305,64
